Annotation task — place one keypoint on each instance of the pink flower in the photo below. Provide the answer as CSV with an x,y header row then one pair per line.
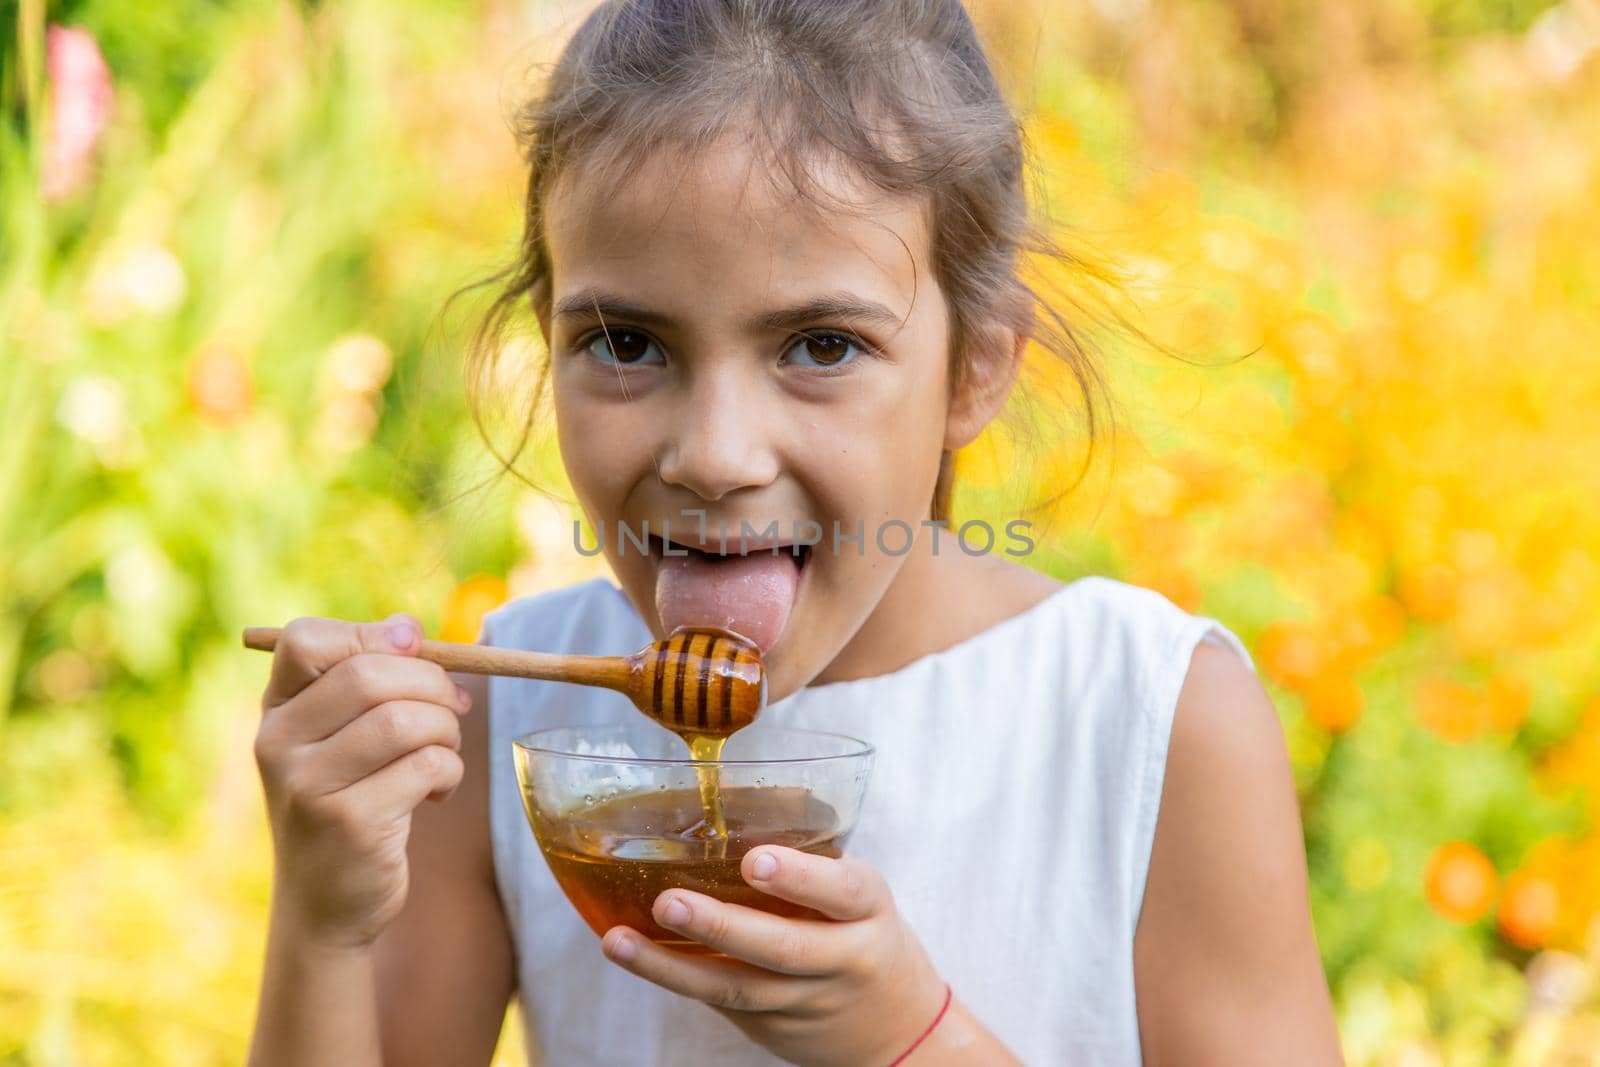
x,y
80,106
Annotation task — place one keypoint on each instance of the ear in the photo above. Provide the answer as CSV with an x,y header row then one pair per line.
x,y
984,385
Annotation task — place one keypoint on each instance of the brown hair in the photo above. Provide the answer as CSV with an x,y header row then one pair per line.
x,y
900,90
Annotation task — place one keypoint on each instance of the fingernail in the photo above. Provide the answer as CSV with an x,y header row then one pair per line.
x,y
764,867
401,635
623,949
463,697
676,913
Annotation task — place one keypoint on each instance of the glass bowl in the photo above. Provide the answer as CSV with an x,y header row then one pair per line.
x,y
621,813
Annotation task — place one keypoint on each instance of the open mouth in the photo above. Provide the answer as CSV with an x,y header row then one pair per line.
x,y
799,554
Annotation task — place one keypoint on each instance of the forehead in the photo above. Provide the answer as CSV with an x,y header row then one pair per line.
x,y
723,222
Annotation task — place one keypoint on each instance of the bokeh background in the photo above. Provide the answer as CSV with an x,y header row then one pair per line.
x,y
228,396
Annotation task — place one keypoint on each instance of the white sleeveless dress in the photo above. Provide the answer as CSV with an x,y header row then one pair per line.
x,y
1011,808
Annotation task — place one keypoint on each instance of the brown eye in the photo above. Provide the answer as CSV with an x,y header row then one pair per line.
x,y
623,346
823,350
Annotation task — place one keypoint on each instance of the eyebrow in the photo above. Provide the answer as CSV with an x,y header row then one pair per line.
x,y
837,306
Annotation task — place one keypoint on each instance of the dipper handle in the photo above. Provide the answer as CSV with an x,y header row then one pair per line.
x,y
695,682
608,671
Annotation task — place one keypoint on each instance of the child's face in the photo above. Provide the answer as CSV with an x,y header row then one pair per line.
x,y
702,393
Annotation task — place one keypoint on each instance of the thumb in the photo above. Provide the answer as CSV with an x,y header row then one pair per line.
x,y
309,647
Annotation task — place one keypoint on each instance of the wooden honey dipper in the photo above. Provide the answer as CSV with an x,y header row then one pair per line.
x,y
702,682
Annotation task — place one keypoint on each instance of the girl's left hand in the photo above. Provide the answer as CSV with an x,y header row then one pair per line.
x,y
855,988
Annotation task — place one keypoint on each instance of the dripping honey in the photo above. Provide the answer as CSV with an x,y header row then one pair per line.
x,y
704,737
704,750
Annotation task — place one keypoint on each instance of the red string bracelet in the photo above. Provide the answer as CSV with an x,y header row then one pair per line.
x,y
931,1028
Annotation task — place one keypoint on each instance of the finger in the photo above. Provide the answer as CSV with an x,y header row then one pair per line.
x,y
397,788
771,942
354,685
728,984
308,648
842,888
376,738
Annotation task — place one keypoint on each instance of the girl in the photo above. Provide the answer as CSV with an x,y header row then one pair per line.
x,y
772,246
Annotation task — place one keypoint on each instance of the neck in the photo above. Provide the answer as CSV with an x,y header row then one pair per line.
x,y
934,603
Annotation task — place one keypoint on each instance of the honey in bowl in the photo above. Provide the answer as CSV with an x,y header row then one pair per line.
x,y
619,814
613,859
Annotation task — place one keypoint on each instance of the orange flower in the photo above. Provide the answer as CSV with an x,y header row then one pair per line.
x,y
1530,910
1450,709
469,602
1383,620
1429,592
1291,653
1366,628
1509,699
1459,882
1334,702
220,386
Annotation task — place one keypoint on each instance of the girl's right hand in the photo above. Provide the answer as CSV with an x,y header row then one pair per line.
x,y
355,733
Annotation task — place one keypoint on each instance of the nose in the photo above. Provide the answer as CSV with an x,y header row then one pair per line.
x,y
721,438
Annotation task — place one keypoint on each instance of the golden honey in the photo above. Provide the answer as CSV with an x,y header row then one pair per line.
x,y
614,857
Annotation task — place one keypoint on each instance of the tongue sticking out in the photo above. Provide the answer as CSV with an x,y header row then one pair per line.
x,y
750,595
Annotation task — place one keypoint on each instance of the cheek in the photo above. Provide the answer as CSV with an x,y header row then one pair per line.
x,y
884,461
917,411
597,448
